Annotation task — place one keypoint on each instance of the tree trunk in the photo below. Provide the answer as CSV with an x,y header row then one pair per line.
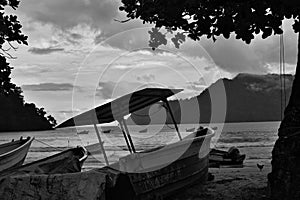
x,y
284,180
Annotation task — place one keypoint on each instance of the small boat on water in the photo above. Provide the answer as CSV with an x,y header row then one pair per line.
x,y
83,132
106,131
143,131
232,157
13,154
190,129
68,161
156,172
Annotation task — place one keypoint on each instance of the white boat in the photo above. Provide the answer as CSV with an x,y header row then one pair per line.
x,y
149,174
68,161
13,154
157,172
190,129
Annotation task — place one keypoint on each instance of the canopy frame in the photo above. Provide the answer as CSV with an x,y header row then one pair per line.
x,y
114,111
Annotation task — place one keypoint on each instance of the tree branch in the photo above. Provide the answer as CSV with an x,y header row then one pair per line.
x,y
6,54
13,47
122,21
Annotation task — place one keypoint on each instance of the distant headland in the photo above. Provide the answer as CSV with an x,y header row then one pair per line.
x,y
249,98
15,114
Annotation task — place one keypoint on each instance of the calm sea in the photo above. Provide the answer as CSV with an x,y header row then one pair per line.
x,y
256,140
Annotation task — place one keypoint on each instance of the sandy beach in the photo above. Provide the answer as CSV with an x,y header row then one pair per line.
x,y
230,183
253,139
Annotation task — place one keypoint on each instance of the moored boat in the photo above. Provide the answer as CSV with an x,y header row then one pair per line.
x,y
68,161
106,131
83,132
163,171
232,157
157,172
143,130
190,129
13,154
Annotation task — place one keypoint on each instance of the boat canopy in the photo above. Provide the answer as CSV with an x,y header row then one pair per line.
x,y
120,107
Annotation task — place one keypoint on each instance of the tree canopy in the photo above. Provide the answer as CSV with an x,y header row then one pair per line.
x,y
213,18
244,19
15,115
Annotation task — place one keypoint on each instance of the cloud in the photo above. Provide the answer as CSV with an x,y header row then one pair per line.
x,y
111,90
49,87
69,13
200,82
146,78
43,51
234,56
268,50
76,36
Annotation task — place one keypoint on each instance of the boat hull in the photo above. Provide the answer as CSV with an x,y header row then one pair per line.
x,y
68,161
14,153
218,158
153,179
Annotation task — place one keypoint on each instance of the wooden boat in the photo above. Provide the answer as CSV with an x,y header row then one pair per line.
x,y
67,161
190,129
163,171
143,131
157,172
13,153
232,157
106,131
83,132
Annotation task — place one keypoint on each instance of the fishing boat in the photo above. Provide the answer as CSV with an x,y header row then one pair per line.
x,y
232,157
156,172
83,132
106,131
68,161
143,130
13,154
190,129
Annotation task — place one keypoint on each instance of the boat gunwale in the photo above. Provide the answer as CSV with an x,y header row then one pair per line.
x,y
85,155
29,140
175,144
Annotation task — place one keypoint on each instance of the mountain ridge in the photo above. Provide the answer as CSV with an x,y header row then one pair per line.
x,y
247,98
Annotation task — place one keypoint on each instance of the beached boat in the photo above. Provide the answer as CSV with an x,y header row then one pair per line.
x,y
13,153
83,132
232,157
157,172
68,161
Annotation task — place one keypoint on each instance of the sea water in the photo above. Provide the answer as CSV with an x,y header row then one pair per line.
x,y
256,140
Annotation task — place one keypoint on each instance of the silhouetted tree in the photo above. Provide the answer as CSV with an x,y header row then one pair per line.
x,y
244,19
15,114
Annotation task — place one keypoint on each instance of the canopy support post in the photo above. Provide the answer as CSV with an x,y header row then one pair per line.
x,y
128,135
124,135
173,118
100,141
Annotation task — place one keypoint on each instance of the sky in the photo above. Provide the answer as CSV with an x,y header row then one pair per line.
x,y
79,56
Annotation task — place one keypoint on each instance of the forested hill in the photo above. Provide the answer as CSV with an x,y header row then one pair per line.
x,y
15,114
249,98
